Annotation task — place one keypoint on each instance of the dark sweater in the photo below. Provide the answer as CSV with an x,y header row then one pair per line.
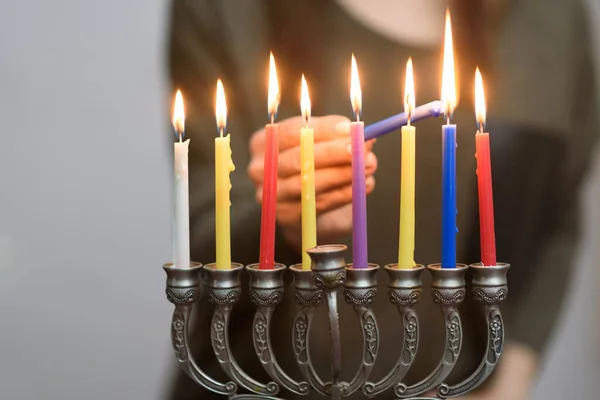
x,y
542,122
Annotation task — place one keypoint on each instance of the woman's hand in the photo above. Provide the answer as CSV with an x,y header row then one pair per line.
x,y
333,176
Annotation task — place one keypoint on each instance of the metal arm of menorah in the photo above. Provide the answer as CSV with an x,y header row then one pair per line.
x,y
489,290
266,292
183,290
224,290
448,291
404,292
313,288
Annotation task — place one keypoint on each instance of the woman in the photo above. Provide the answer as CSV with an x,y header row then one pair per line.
x,y
537,66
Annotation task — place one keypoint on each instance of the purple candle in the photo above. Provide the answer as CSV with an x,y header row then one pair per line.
x,y
359,191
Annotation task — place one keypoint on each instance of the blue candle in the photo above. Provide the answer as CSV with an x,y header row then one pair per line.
x,y
433,109
449,196
450,100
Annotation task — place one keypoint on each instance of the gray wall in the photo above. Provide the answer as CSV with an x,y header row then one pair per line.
x,y
84,205
84,209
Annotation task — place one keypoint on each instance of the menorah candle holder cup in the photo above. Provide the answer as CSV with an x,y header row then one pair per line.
x,y
329,274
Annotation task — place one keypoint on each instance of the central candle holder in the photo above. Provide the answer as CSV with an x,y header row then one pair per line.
x,y
329,276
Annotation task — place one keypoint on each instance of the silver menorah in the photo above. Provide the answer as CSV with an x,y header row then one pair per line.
x,y
312,288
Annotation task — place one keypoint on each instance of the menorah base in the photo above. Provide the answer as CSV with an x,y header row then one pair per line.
x,y
319,287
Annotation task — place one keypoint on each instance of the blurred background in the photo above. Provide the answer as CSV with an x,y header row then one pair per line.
x,y
85,210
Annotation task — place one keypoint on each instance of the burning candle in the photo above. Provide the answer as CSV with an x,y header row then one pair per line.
x,y
484,178
449,99
307,171
269,197
181,215
432,109
359,191
406,245
223,167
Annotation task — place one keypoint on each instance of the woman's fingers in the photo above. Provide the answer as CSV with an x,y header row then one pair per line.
x,y
326,179
290,213
325,128
327,154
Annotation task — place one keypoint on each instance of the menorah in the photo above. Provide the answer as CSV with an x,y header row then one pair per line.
x,y
319,286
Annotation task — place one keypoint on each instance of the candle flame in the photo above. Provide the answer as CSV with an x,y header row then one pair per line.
x,y
355,91
449,97
274,95
305,100
409,90
221,108
179,115
480,109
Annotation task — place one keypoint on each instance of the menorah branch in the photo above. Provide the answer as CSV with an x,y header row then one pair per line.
x,y
266,292
448,291
309,297
489,290
328,274
404,292
183,290
360,291
224,290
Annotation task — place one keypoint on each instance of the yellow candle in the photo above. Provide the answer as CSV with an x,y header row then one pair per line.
x,y
406,245
223,167
307,171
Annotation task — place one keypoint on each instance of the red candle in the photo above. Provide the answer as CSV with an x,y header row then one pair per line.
x,y
269,197
484,179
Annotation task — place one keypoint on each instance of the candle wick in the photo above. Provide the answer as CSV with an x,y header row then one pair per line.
x,y
448,120
481,127
221,132
180,134
306,121
272,118
356,112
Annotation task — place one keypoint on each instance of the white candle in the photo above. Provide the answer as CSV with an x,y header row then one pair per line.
x,y
181,216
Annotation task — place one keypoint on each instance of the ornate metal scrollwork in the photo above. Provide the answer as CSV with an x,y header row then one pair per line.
x,y
318,286
182,295
308,297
